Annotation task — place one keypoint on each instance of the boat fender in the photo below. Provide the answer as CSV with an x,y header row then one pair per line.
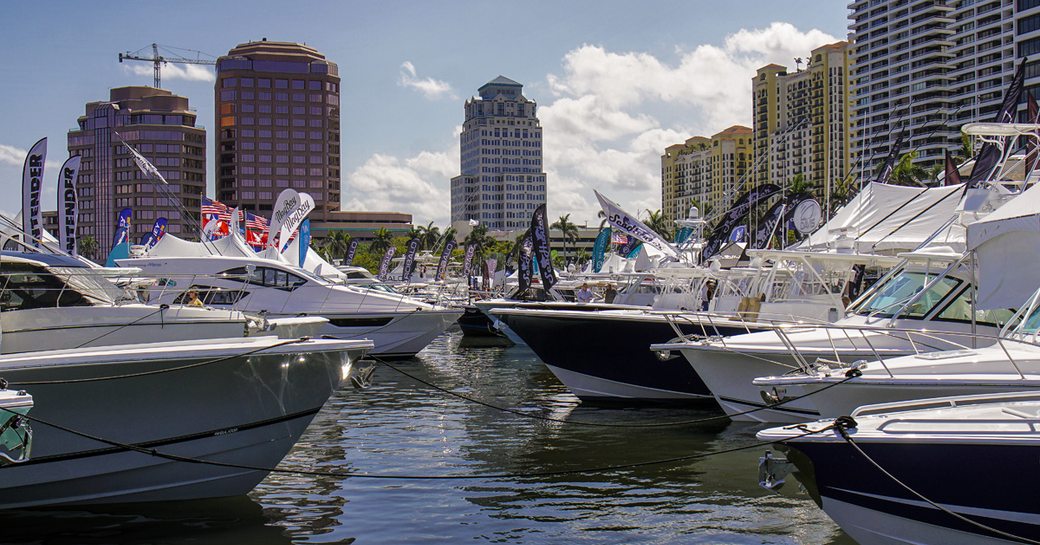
x,y
853,373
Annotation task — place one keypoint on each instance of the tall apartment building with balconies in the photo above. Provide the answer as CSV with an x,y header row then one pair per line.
x,y
710,171
927,67
501,181
159,124
278,126
802,120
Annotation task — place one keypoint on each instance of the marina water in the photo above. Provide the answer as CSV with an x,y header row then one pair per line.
x,y
400,426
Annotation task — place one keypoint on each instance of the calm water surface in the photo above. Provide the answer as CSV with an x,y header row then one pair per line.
x,y
402,427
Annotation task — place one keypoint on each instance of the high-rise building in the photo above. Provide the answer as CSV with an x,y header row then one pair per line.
x,y
685,174
927,68
278,126
501,180
710,171
802,121
160,125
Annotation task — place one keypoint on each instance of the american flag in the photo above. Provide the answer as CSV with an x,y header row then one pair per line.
x,y
256,227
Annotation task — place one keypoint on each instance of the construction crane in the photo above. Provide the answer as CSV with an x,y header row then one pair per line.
x,y
171,56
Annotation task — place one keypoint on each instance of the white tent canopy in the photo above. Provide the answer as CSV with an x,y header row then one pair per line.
x,y
889,218
1007,247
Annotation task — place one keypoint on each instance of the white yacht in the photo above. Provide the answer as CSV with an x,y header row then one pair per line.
x,y
51,301
241,401
933,291
399,326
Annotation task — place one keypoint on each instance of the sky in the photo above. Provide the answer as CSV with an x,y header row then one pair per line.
x,y
615,81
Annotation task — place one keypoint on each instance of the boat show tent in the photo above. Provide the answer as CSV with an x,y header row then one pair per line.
x,y
1006,243
885,218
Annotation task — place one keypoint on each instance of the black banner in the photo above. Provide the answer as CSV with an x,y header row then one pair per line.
x,y
442,265
893,158
989,155
540,239
384,265
735,215
953,176
409,260
766,226
523,270
351,250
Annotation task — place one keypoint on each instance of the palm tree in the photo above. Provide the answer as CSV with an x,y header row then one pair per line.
x,y
415,232
907,173
484,242
799,186
444,237
705,208
381,240
88,246
334,245
568,229
430,236
658,222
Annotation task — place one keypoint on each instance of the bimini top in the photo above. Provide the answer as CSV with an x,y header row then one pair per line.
x,y
887,218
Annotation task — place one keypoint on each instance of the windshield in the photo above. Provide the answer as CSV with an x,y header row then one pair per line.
x,y
900,289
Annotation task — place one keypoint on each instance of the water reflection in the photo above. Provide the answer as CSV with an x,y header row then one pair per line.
x,y
399,426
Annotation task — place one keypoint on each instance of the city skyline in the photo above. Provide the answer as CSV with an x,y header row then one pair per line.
x,y
615,84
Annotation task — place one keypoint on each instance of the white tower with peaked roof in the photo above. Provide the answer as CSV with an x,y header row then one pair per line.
x,y
502,179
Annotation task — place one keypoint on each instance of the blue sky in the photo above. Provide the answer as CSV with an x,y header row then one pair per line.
x,y
616,81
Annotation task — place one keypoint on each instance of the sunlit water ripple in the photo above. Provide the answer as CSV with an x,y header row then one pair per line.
x,y
401,427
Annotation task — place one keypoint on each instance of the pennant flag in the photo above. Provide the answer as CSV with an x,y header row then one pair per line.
x,y
952,175
151,238
442,265
1031,142
144,165
409,259
683,234
68,212
767,226
290,209
467,262
542,249
893,158
599,248
32,184
384,265
120,240
989,155
351,251
631,226
735,215
305,240
524,272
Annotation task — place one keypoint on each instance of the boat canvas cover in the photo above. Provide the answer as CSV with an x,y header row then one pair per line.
x,y
173,246
313,262
889,218
1007,251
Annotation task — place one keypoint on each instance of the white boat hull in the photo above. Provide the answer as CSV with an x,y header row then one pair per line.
x,y
729,374
211,403
403,335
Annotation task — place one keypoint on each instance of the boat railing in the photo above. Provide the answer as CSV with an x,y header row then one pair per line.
x,y
930,344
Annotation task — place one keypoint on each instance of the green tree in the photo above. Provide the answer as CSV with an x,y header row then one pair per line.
x,y
484,242
449,233
568,229
381,240
429,236
799,185
334,245
659,223
415,232
88,247
906,172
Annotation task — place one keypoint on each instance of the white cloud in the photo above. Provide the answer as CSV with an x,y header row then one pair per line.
x,y
189,72
430,88
608,119
11,156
